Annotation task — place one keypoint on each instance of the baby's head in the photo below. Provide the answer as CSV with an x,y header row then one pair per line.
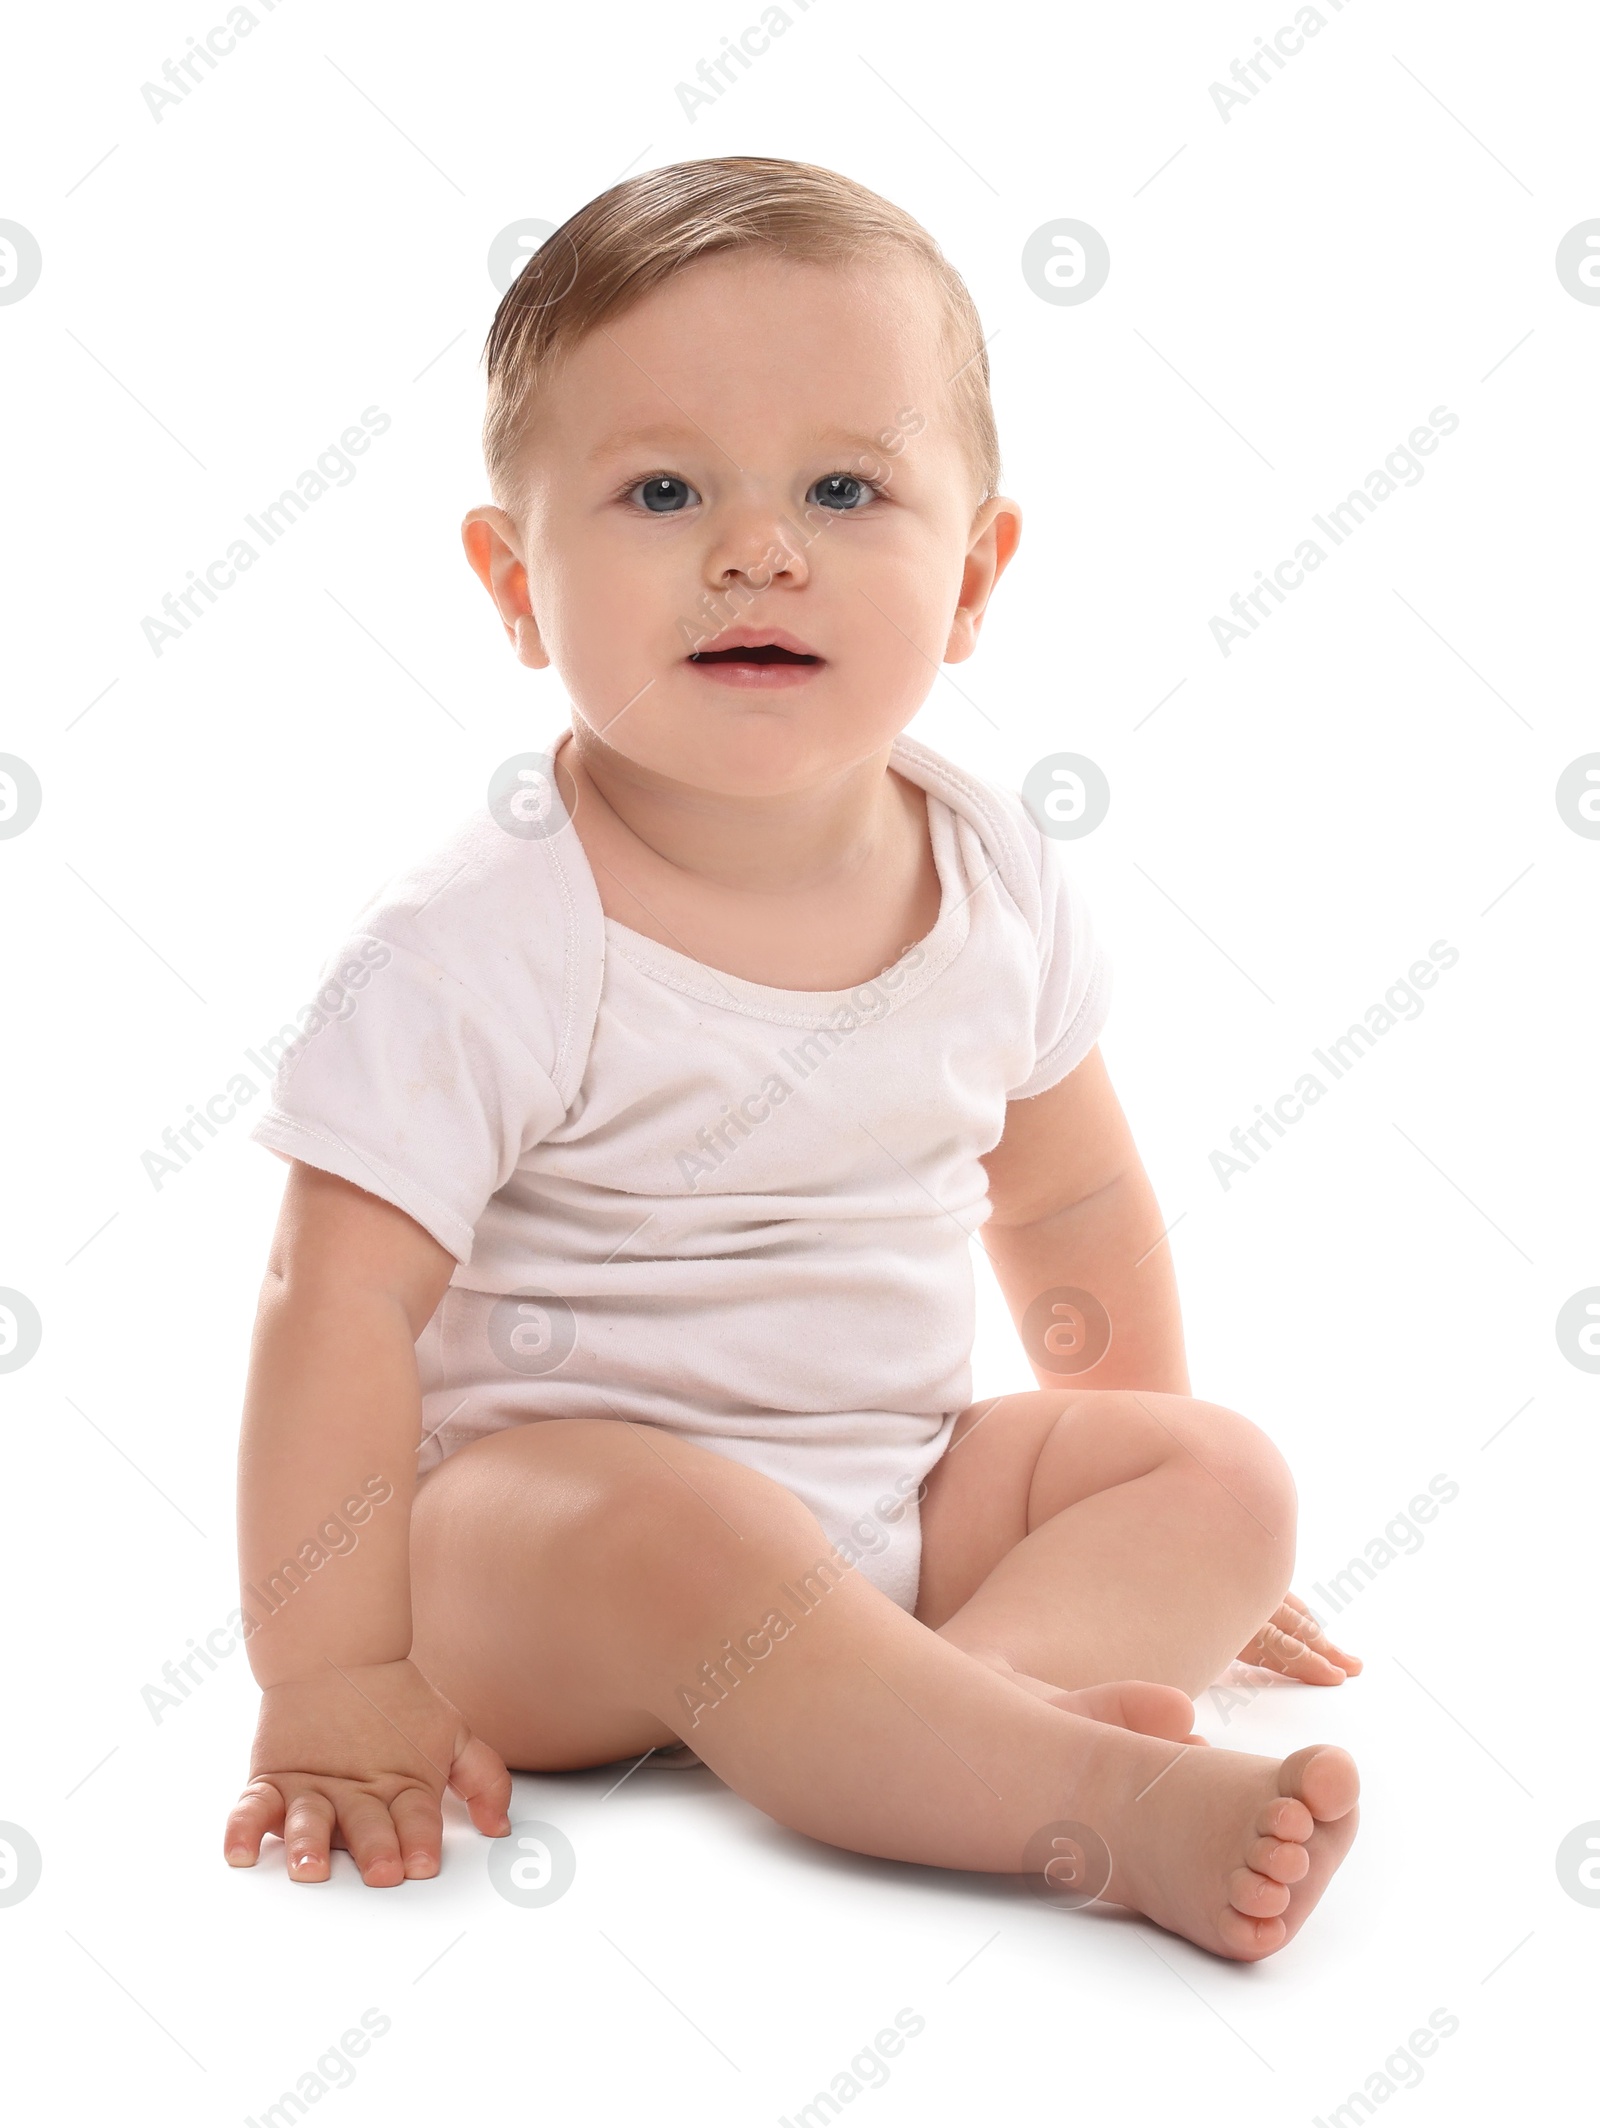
x,y
740,403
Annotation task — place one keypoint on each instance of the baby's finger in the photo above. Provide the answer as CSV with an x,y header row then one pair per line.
x,y
1288,1653
258,1811
368,1832
480,1778
307,1833
1305,1625
419,1826
1314,1637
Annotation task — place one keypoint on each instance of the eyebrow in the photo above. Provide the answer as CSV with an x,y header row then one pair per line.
x,y
652,432
671,433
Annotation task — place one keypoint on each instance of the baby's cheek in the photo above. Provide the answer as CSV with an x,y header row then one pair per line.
x,y
605,646
886,655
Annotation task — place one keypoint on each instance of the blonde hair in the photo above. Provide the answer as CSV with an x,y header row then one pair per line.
x,y
627,241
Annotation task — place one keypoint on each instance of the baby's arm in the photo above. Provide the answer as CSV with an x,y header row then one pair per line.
x,y
353,1747
1074,1207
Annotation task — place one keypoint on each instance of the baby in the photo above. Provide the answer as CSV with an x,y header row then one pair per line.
x,y
622,1291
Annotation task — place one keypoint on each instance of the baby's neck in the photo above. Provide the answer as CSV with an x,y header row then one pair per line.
x,y
801,891
785,843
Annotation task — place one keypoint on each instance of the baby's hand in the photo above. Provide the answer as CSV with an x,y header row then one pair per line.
x,y
1292,1642
359,1759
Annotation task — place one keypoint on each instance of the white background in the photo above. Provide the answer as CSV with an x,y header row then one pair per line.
x,y
305,235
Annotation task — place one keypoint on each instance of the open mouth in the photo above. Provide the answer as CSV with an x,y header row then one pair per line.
x,y
756,663
754,654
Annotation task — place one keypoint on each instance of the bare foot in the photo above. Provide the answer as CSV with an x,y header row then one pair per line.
x,y
1152,1710
1230,1850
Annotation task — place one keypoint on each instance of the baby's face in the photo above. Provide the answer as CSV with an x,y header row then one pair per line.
x,y
763,451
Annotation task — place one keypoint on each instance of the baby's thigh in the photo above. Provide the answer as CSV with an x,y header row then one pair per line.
x,y
975,1499
551,1565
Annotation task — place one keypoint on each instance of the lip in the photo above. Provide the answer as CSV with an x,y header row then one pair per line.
x,y
752,638
751,676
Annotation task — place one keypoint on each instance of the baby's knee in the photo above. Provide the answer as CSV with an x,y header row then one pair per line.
x,y
1243,1474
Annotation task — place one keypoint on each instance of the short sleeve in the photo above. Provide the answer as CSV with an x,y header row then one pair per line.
x,y
403,1081
1074,974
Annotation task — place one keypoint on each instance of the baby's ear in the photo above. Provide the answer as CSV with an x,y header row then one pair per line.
x,y
491,540
995,532
528,643
963,637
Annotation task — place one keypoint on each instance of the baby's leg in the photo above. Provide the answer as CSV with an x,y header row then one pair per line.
x,y
1108,1533
587,1589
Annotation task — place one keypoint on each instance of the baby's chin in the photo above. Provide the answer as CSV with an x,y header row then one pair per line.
x,y
743,742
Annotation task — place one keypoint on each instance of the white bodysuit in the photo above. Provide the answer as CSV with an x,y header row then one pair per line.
x,y
674,1196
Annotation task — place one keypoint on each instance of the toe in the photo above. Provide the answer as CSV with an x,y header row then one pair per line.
x,y
1242,1937
1151,1710
1158,1710
1286,1818
1257,1896
1324,1778
1284,1861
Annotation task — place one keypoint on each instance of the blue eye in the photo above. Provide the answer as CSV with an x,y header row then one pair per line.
x,y
841,491
664,495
